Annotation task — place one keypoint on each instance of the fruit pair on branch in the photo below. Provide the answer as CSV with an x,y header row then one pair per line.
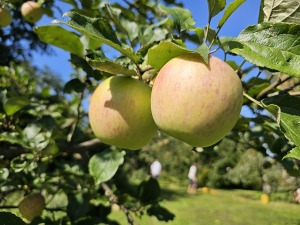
x,y
195,102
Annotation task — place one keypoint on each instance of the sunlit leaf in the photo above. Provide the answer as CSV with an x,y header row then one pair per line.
x,y
13,138
14,104
60,38
89,43
233,6
271,45
203,50
99,29
280,11
18,164
294,153
166,50
200,33
215,7
153,32
104,165
36,136
109,66
182,17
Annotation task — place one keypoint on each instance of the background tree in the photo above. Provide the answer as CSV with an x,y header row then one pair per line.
x,y
47,146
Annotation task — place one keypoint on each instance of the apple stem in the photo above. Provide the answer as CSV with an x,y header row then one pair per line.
x,y
240,67
138,71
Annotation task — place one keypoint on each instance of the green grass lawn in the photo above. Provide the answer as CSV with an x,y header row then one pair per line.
x,y
222,207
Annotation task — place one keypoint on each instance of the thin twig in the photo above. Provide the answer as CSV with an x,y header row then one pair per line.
x,y
213,51
253,100
206,32
289,88
265,91
256,77
114,199
75,124
147,69
240,67
294,93
216,37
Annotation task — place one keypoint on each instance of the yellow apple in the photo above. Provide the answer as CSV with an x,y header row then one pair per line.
x,y
120,113
32,206
31,11
195,102
5,17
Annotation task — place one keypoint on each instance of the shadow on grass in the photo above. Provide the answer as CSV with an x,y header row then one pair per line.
x,y
172,195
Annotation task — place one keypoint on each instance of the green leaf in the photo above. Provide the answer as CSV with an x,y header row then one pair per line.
x,y
294,153
150,33
166,50
99,29
78,206
104,64
280,11
18,164
199,32
229,10
37,136
89,43
183,19
60,38
203,50
7,218
286,109
104,165
272,45
214,7
14,104
13,138
131,28
72,2
74,85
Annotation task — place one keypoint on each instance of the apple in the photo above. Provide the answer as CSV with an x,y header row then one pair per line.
x,y
31,11
120,113
5,17
32,206
195,102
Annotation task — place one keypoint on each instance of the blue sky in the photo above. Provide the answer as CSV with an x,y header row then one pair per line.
x,y
245,16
